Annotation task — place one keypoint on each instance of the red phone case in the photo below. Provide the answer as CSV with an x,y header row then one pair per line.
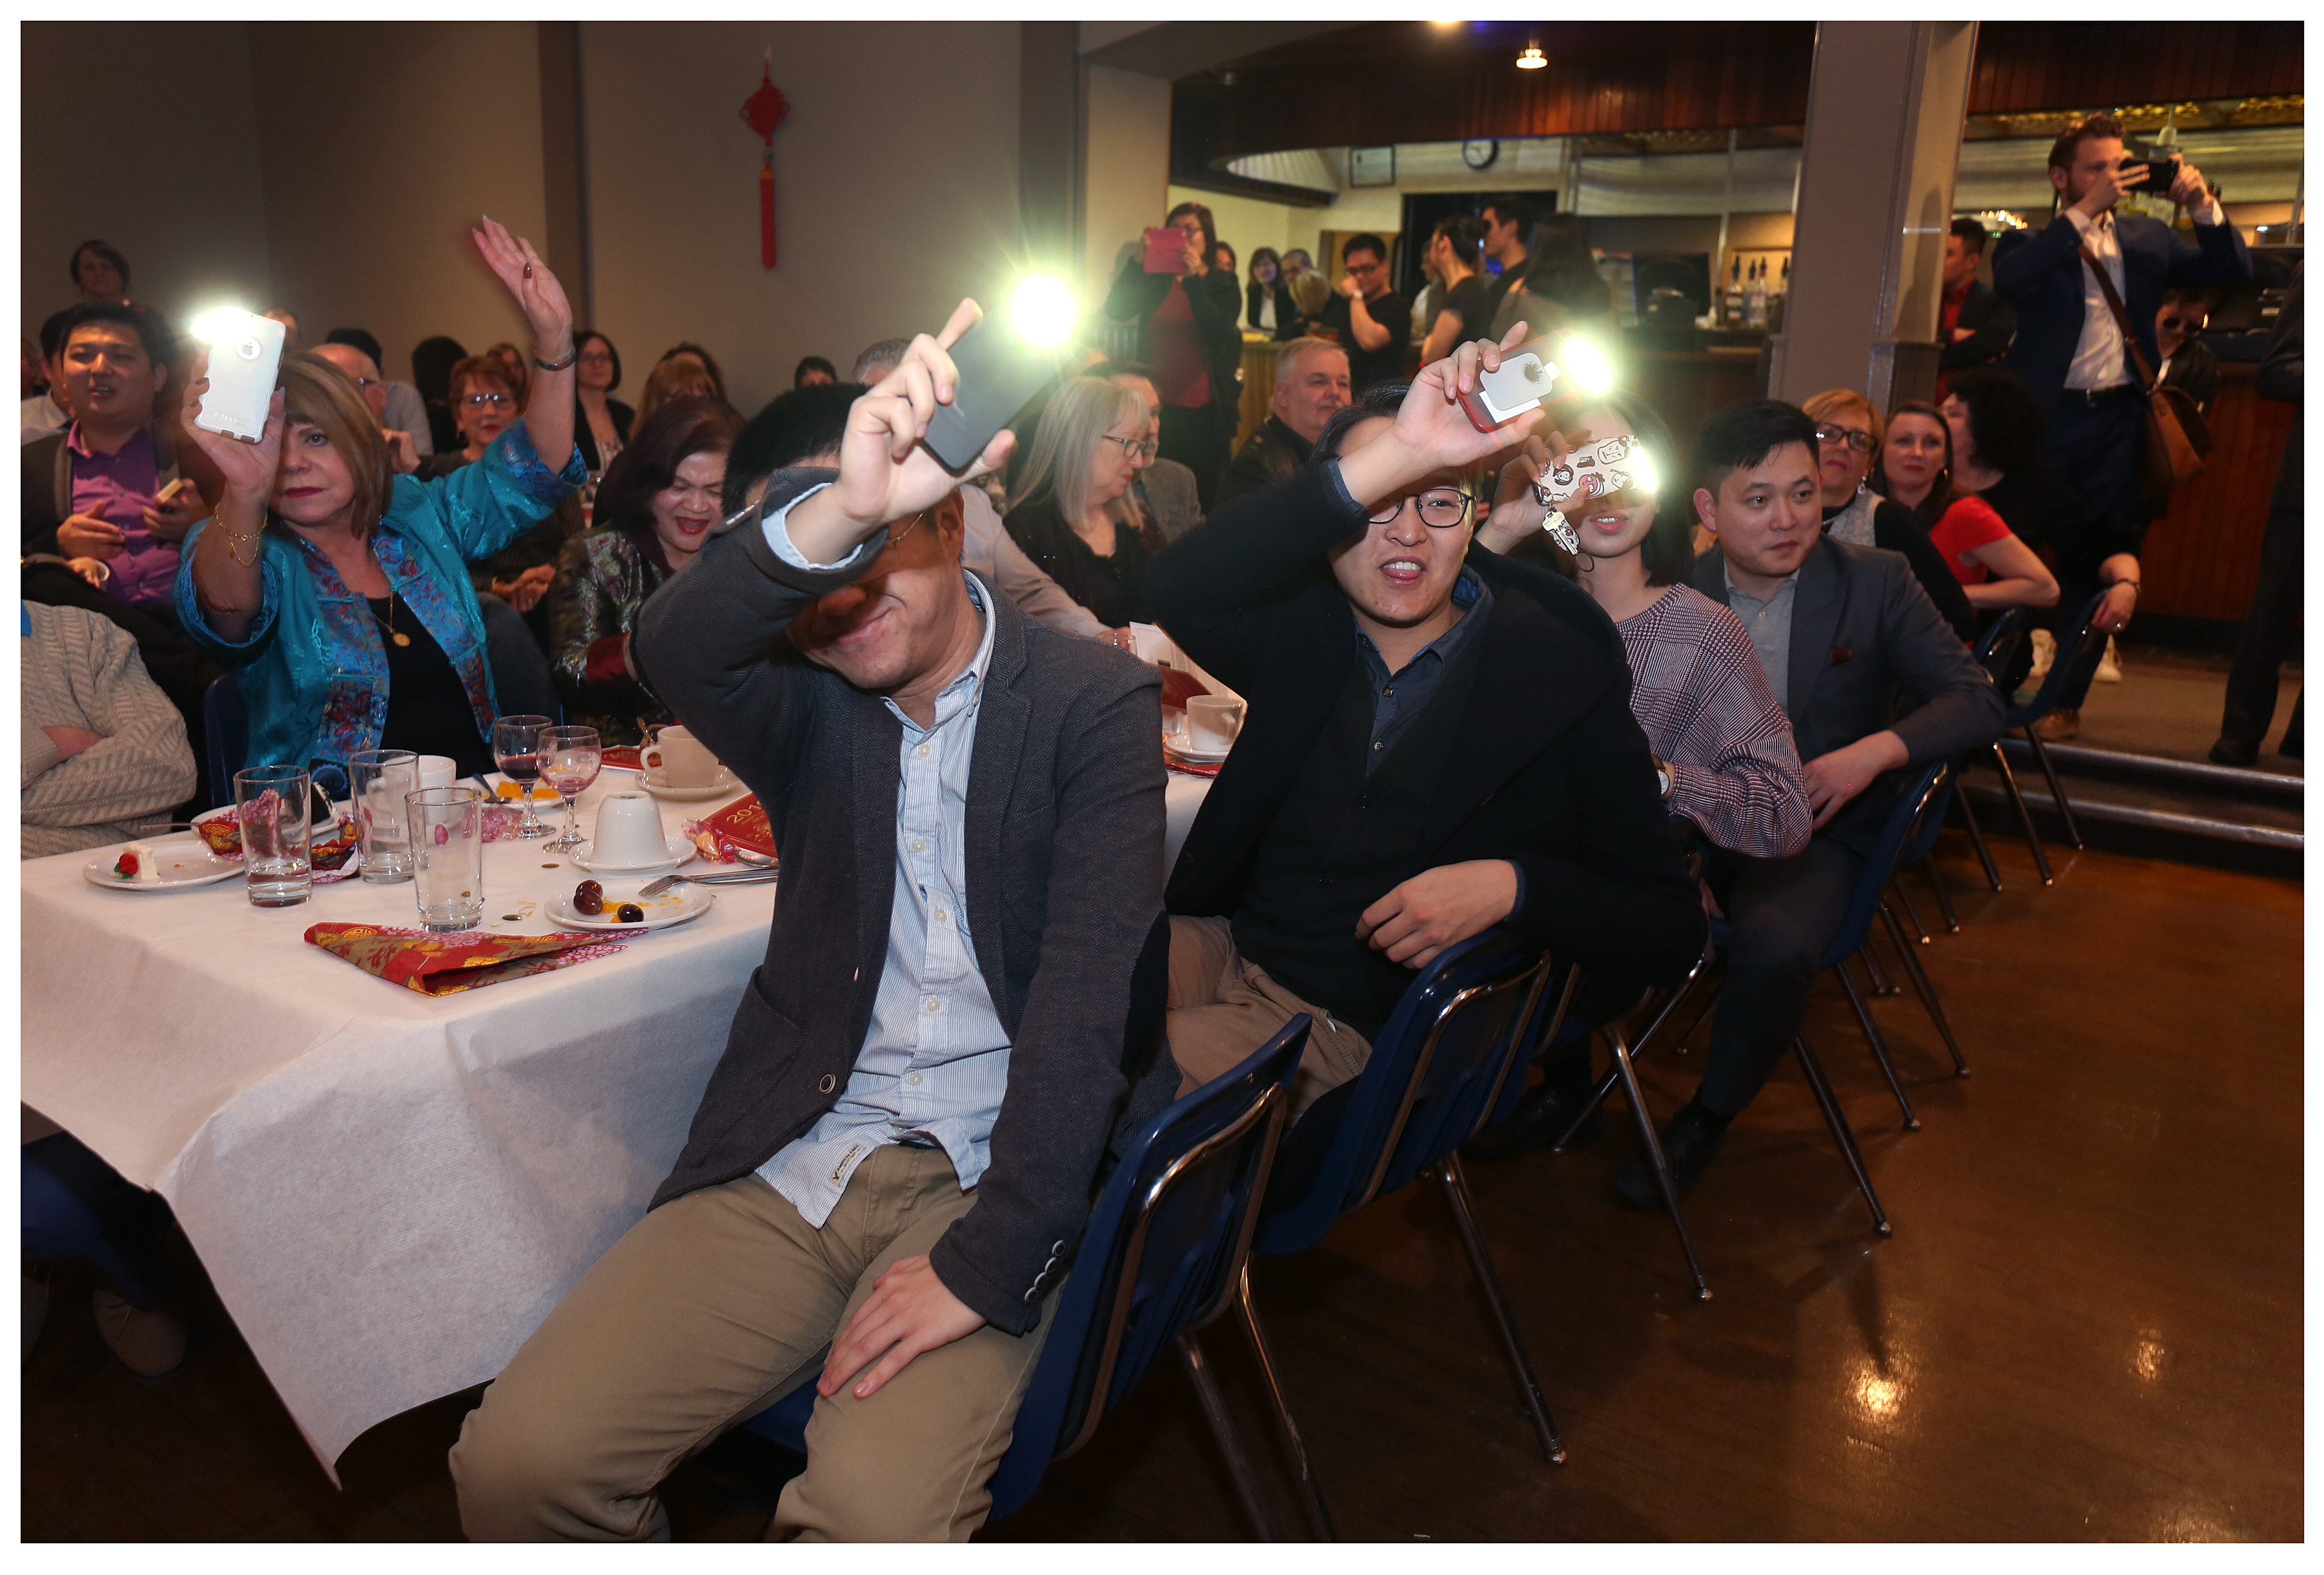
x,y
1165,250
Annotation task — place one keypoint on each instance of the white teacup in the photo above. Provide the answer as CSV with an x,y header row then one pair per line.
x,y
437,770
1212,721
629,832
676,758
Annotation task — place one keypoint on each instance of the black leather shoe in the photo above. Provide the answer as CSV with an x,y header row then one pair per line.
x,y
1690,1140
2235,752
1542,1118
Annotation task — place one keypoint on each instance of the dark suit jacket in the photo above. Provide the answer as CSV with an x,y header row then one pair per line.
x,y
2040,272
2279,378
1064,837
1862,631
1274,452
47,483
1991,322
1549,768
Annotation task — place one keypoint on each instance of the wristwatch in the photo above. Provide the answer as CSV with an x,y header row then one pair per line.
x,y
1663,779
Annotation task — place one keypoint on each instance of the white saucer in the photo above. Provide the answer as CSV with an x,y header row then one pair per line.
x,y
1176,744
679,848
677,906
726,785
183,865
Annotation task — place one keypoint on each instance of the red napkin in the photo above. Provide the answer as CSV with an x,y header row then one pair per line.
x,y
1185,767
744,824
445,965
622,757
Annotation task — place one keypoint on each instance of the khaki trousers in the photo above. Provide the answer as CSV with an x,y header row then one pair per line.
x,y
1222,1006
709,1310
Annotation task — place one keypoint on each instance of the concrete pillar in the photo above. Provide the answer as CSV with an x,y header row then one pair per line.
x,y
1885,105
1125,166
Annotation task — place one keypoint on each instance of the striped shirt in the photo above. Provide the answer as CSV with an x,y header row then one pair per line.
x,y
1697,691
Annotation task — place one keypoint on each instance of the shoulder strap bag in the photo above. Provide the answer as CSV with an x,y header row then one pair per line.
x,y
2177,437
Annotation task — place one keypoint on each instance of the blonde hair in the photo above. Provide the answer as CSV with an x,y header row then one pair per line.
x,y
1083,411
1834,402
316,393
671,380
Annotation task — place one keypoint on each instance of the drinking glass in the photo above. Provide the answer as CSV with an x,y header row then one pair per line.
x,y
447,832
378,780
569,758
516,750
270,802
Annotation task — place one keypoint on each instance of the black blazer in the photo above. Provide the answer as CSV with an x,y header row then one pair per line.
x,y
1991,322
47,483
1551,770
1289,322
2040,272
1274,452
1065,895
1136,294
587,440
1113,589
1862,631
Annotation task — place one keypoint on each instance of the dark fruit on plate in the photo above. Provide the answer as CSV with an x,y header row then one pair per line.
x,y
589,898
631,913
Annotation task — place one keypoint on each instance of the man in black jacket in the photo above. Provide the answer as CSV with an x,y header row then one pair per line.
x,y
1974,325
1311,386
1840,632
962,990
1439,740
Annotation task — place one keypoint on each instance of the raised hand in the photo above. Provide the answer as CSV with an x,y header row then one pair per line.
x,y
537,293
248,468
1433,432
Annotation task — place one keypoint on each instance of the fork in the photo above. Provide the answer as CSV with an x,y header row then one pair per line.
x,y
738,877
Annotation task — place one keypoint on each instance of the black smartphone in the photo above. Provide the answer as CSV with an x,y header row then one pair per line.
x,y
2159,173
1000,373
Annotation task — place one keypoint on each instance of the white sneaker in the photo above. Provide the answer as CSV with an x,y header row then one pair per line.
x,y
2046,652
2109,665
149,1342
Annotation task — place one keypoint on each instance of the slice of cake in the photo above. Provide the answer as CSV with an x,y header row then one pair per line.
x,y
137,863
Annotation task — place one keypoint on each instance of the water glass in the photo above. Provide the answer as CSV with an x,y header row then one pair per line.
x,y
569,760
516,750
270,802
447,835
380,780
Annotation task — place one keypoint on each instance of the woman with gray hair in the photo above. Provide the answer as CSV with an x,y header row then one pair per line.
x,y
1063,509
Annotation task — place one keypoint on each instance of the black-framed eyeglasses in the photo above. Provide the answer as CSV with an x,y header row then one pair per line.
x,y
1440,508
479,401
1130,447
1858,440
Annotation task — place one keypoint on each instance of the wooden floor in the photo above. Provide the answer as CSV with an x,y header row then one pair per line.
x,y
2088,1325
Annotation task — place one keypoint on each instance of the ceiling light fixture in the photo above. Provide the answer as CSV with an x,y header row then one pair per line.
x,y
1533,59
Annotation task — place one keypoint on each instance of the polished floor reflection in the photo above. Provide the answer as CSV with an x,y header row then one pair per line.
x,y
2087,1326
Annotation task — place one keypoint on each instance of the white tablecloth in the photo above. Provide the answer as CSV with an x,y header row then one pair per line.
x,y
1181,797
389,1192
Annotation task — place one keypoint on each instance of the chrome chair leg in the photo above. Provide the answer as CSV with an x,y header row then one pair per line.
x,y
1944,893
1911,913
1513,1347
1605,1084
1311,1487
1880,1047
1928,994
1838,1122
1230,1442
2065,807
1877,975
1653,1145
1977,840
2025,816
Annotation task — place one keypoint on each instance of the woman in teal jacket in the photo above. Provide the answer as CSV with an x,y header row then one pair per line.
x,y
338,591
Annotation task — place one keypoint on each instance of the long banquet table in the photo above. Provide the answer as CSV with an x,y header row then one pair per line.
x,y
388,1190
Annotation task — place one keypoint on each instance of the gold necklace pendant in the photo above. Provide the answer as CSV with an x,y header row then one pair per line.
x,y
402,639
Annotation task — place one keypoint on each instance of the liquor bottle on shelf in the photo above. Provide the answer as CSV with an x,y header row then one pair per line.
x,y
1755,296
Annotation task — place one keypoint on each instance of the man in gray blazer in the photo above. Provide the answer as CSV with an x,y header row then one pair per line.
x,y
1840,632
959,1009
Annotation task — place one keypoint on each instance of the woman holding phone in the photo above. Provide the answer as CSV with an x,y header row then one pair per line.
x,y
338,593
1185,313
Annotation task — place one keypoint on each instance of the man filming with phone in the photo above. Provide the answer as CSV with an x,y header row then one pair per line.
x,y
959,1009
2070,345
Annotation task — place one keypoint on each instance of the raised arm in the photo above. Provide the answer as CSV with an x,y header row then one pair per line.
x,y
548,407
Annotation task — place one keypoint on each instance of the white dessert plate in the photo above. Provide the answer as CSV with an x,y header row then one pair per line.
x,y
724,785
181,864
675,906
1178,745
679,849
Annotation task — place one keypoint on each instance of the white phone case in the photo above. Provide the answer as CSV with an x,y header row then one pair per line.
x,y
244,361
1521,384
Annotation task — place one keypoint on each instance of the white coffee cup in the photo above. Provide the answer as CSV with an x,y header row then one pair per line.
x,y
437,770
675,758
629,834
1212,721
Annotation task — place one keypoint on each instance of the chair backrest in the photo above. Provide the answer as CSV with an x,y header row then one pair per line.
x,y
2080,646
1164,1250
1434,1070
1919,809
2000,640
225,720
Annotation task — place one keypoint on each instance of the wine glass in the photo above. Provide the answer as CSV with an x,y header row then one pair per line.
x,y
569,758
516,749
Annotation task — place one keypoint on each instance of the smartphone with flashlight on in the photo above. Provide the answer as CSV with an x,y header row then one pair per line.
x,y
1002,363
245,354
1527,379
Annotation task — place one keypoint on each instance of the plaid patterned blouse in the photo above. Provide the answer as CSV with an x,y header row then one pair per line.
x,y
1697,691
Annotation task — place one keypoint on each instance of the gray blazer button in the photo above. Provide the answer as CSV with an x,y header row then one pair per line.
x,y
828,1083
1029,1294
1057,1246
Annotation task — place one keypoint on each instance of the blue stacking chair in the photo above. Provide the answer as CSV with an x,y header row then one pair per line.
x,y
2081,645
1162,1257
1445,1058
225,720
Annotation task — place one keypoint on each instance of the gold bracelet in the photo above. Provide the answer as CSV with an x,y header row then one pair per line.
x,y
232,538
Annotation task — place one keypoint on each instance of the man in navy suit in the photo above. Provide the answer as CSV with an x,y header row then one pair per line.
x,y
2070,348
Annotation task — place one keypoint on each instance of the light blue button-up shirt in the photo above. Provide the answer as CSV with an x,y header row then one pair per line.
x,y
935,1063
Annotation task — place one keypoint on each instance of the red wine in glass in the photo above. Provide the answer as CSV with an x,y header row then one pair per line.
x,y
516,749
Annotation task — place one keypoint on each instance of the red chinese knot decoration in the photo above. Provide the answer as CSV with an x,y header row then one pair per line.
x,y
764,111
